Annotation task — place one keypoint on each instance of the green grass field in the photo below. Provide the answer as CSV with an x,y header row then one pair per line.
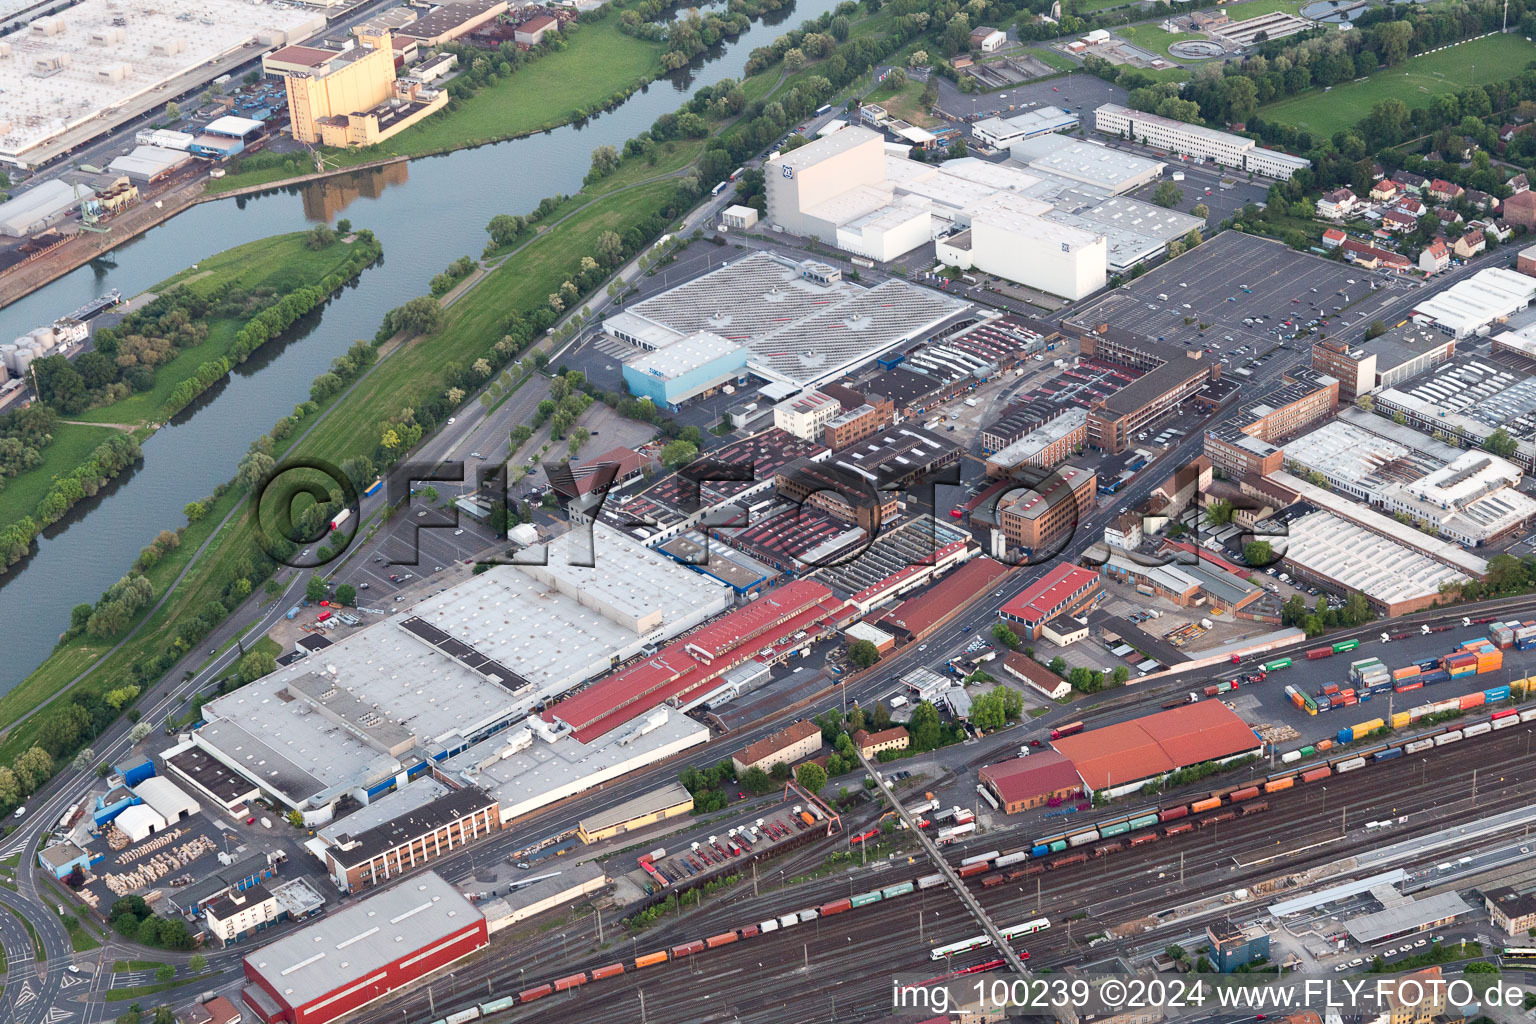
x,y
1416,82
71,444
903,103
282,263
1154,39
597,64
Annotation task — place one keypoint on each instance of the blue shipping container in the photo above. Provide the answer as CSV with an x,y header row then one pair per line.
x,y
1496,694
1434,677
1040,851
1389,754
1345,735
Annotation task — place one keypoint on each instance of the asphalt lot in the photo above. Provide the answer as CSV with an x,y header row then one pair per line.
x,y
1276,283
1078,92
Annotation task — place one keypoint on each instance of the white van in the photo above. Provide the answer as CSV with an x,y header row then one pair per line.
x,y
898,701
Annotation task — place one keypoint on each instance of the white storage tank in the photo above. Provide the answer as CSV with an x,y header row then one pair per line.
x,y
43,336
23,360
8,356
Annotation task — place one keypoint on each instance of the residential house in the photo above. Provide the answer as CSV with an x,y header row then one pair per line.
x,y
1370,257
1495,229
1519,183
1445,191
871,744
1411,206
1384,191
1338,204
1435,257
1483,200
1378,172
1448,217
1412,182
1399,222
1333,238
1469,245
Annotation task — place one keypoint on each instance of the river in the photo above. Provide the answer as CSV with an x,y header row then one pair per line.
x,y
427,214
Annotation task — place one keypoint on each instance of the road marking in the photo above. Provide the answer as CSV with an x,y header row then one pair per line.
x,y
56,1014
26,995
71,980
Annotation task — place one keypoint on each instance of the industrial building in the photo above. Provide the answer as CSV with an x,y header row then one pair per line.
x,y
805,415
688,670
146,165
800,322
1197,141
361,720
71,76
1113,422
1471,397
1469,497
896,561
362,953
350,97
1473,305
1054,442
1112,170
539,762
1042,512
1054,232
1063,590
1345,556
444,23
1188,585
1118,759
402,830
1381,362
1248,443
1002,132
645,810
1234,945
672,505
41,207
694,366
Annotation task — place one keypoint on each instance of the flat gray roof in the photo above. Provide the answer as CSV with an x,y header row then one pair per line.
x,y
1404,917
352,943
1333,894
650,802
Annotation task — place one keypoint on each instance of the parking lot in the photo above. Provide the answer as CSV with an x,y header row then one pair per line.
x,y
1196,300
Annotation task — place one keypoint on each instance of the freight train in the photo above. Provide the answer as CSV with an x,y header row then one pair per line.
x,y
1053,852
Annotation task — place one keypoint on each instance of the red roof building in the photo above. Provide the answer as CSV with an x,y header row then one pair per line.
x,y
1122,758
1333,237
688,666
1025,782
921,613
1064,590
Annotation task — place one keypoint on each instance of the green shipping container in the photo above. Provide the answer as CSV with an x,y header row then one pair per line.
x,y
1115,830
1058,846
896,890
1277,664
864,899
1144,821
1345,645
1307,751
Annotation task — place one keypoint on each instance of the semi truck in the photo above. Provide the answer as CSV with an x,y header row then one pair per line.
x,y
341,517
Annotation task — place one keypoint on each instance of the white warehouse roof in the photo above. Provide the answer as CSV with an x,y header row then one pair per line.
x,y
1486,296
686,355
27,211
168,799
1377,567
236,127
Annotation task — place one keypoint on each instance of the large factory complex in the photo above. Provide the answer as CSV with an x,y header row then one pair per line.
x,y
72,76
1056,196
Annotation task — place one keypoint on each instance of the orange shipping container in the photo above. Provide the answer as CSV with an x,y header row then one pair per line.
x,y
1205,805
1405,673
1323,745
1472,700
1279,784
1316,773
723,939
651,959
613,971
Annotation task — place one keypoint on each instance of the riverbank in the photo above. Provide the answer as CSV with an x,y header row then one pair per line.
x,y
599,67
270,271
408,387
84,247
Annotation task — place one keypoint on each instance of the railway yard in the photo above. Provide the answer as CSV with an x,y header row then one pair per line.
x,y
842,937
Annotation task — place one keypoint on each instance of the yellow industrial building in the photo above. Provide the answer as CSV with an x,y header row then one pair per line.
x,y
349,98
643,811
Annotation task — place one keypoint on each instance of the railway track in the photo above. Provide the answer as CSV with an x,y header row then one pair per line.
x,y
1110,890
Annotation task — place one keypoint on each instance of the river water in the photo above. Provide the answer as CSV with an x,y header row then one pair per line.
x,y
426,213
